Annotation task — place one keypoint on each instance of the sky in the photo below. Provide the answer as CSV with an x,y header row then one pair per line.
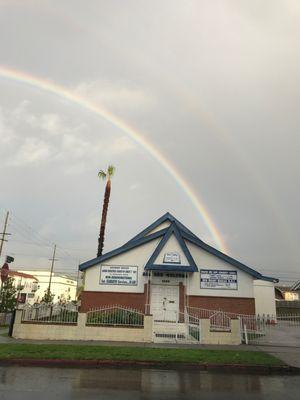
x,y
196,104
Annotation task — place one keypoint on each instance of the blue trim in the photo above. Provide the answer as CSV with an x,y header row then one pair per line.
x,y
228,259
170,268
122,249
172,230
166,217
269,278
181,233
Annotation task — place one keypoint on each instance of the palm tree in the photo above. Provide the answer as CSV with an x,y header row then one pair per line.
x,y
106,176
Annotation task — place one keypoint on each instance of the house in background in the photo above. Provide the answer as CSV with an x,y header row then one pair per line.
x,y
287,293
26,284
62,287
288,299
167,268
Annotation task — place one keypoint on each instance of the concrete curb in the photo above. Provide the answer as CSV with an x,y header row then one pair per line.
x,y
230,368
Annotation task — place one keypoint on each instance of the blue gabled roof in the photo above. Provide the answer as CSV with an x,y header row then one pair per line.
x,y
198,242
172,230
128,246
166,217
182,233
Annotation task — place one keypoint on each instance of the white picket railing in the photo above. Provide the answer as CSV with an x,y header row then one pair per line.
x,y
270,330
115,316
175,327
291,319
219,321
50,314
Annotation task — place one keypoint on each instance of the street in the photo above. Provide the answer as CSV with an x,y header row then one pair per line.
x,y
22,383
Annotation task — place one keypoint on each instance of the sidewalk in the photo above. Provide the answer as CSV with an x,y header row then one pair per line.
x,y
288,354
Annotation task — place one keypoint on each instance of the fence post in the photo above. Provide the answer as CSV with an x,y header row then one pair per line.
x,y
246,334
148,328
11,323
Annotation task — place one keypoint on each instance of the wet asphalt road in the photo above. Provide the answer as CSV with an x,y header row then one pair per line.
x,y
24,383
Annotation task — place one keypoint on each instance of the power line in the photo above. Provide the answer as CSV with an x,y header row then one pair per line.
x,y
28,232
23,233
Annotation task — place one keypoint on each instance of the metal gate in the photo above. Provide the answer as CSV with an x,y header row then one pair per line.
x,y
178,328
283,330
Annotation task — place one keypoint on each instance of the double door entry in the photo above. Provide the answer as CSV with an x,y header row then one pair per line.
x,y
165,302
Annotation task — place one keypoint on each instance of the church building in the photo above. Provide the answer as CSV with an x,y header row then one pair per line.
x,y
165,269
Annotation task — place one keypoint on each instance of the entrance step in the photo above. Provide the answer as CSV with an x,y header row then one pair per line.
x,y
168,332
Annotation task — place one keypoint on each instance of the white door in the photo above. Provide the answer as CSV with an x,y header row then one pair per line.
x,y
165,302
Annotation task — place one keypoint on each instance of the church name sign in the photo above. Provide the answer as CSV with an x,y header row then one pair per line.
x,y
172,258
118,275
218,279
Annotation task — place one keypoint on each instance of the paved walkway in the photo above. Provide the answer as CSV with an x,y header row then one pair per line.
x,y
288,354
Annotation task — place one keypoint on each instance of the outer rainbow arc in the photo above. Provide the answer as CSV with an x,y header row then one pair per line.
x,y
63,92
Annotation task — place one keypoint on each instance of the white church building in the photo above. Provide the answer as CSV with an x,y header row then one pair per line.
x,y
166,268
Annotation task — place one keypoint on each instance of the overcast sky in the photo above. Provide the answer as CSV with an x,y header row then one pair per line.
x,y
213,84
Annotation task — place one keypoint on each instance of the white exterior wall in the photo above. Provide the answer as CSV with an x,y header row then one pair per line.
x,y
264,294
135,257
164,225
140,255
205,260
171,245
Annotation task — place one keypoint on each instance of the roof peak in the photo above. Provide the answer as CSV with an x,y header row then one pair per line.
x,y
173,229
165,217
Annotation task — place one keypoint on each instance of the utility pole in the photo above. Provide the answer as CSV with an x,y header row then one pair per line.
x,y
77,280
4,233
53,259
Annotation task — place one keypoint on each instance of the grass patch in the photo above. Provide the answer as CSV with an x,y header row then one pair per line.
x,y
81,352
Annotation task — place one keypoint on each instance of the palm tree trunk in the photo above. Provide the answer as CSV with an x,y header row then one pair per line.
x,y
103,218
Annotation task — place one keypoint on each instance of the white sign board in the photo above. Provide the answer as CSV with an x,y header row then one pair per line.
x,y
172,258
218,279
118,275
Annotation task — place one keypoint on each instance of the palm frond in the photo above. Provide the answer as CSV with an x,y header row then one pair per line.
x,y
111,170
101,174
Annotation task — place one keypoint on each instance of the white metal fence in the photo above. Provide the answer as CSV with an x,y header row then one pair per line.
x,y
115,316
219,321
283,330
204,313
175,327
193,326
50,314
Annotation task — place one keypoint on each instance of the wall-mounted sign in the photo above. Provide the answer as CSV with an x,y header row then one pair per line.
x,y
118,275
218,279
172,258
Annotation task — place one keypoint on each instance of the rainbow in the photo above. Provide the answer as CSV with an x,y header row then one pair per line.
x,y
63,92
